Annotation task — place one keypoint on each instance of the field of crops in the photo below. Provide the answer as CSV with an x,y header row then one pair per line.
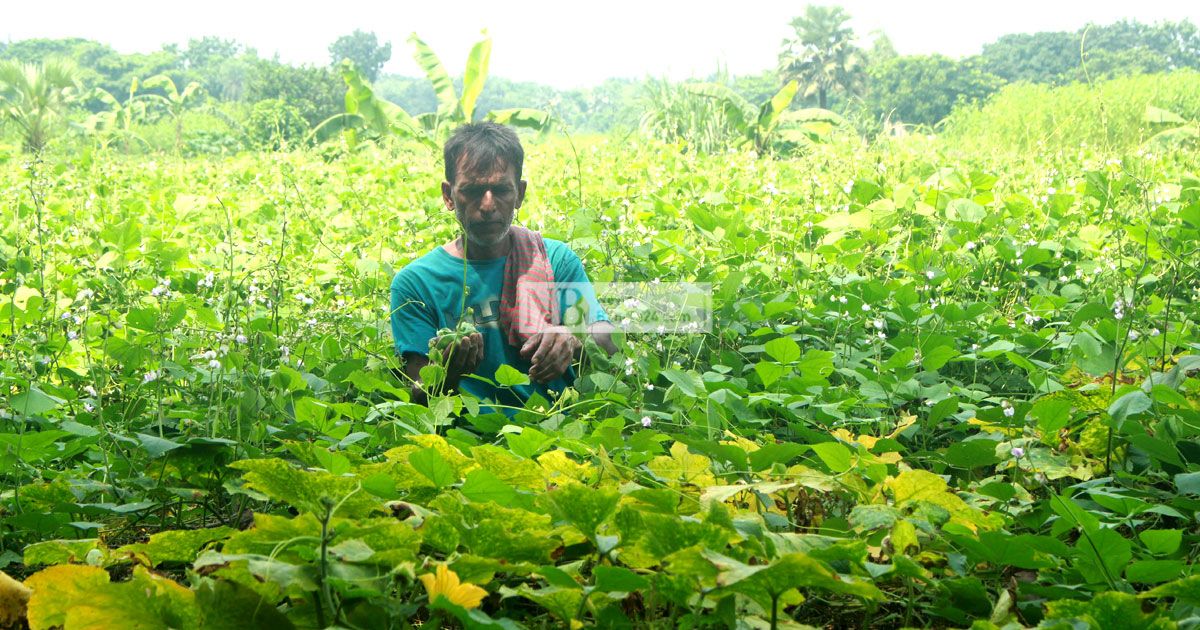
x,y
941,389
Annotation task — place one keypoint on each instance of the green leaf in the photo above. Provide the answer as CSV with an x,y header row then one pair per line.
x,y
1154,571
307,490
178,546
1161,541
836,456
430,463
157,446
34,402
770,454
475,75
688,382
443,87
870,517
937,357
1188,483
583,507
1185,589
1130,404
1102,555
769,372
482,486
970,454
1107,610
766,582
61,551
783,349
528,442
228,605
618,580
509,376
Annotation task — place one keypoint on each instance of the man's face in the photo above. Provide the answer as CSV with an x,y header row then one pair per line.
x,y
484,199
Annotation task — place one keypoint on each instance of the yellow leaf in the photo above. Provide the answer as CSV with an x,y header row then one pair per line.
x,y
683,467
904,535
55,588
14,597
446,584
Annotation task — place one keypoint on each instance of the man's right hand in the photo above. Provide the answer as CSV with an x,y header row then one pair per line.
x,y
465,356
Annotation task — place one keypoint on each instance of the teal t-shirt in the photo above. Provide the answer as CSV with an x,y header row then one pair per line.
x,y
426,296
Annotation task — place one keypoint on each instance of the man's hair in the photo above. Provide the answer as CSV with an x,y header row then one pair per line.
x,y
482,143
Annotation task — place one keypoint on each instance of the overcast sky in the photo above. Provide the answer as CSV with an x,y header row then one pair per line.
x,y
561,43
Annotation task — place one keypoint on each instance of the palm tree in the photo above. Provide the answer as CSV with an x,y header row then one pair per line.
x,y
33,97
821,57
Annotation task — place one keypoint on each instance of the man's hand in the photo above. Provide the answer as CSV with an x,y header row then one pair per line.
x,y
550,352
465,356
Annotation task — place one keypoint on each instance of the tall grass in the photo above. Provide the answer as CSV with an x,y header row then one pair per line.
x,y
1105,114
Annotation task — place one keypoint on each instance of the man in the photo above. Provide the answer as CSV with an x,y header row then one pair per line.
x,y
484,189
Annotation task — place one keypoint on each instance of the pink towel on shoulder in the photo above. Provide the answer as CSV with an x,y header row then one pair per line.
x,y
528,302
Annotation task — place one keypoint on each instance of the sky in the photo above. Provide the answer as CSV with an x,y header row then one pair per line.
x,y
563,44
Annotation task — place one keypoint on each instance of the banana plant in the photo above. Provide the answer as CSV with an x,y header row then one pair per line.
x,y
454,109
761,125
173,101
367,112
1180,132
119,119
34,97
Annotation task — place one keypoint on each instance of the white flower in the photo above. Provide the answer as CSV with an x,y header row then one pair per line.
x,y
150,376
89,390
1031,319
214,364
866,307
842,299
1133,335
969,245
649,387
1018,452
628,361
88,407
646,422
285,351
158,290
878,324
1009,412
241,339
72,335
210,354
929,274
1154,332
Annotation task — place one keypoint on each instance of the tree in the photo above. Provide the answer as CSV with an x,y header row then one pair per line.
x,y
208,51
34,97
363,50
821,56
315,91
923,89
881,50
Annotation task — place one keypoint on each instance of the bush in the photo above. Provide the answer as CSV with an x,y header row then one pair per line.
x,y
275,125
1109,114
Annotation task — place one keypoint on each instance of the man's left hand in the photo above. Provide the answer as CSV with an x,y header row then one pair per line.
x,y
550,353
